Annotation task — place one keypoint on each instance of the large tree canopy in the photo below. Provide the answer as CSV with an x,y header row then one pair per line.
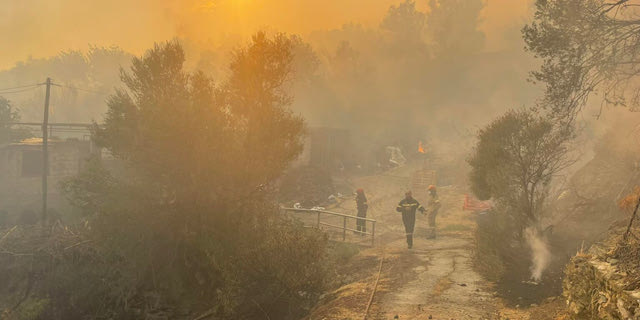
x,y
182,130
587,47
188,200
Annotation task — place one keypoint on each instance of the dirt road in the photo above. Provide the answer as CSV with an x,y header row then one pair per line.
x,y
434,280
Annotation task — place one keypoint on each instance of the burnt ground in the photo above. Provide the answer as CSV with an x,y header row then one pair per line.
x,y
435,280
516,289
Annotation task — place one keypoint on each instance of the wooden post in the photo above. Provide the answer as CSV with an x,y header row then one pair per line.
x,y
318,225
45,152
373,232
344,229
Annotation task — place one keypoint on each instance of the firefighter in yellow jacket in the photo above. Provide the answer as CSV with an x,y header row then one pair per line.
x,y
408,207
433,205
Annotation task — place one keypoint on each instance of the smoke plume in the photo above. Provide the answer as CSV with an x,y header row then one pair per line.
x,y
540,254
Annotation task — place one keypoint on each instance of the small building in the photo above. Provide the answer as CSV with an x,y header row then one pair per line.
x,y
327,148
21,168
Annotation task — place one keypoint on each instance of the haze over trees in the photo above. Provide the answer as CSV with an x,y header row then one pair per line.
x,y
184,223
408,68
8,114
588,50
86,78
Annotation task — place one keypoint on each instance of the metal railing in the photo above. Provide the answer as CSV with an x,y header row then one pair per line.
x,y
344,217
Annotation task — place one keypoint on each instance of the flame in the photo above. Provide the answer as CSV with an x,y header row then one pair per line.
x,y
420,147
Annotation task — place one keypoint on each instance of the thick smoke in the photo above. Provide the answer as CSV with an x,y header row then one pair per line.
x,y
403,71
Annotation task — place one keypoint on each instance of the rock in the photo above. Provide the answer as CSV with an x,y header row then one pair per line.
x,y
602,299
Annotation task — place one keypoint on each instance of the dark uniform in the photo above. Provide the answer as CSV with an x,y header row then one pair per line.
x,y
408,207
361,204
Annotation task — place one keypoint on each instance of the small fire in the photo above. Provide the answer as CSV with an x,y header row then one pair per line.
x,y
420,147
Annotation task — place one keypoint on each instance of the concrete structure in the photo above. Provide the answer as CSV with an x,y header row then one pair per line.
x,y
21,173
327,148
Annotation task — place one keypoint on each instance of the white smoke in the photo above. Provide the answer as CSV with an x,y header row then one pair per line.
x,y
540,254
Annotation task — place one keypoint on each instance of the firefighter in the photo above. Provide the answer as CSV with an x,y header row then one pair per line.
x,y
433,205
361,204
408,207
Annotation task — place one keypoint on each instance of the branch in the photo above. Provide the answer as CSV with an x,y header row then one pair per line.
x,y
613,5
633,216
77,244
205,315
7,234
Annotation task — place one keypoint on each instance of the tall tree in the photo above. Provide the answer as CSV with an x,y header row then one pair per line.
x,y
258,97
405,21
191,204
452,27
588,47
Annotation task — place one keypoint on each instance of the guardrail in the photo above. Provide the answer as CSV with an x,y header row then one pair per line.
x,y
344,228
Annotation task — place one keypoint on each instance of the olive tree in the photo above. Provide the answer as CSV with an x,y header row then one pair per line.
x,y
188,215
588,47
515,160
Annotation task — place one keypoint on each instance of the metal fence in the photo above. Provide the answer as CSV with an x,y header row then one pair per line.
x,y
319,214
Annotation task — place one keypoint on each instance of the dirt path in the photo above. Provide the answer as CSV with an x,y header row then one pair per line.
x,y
435,280
438,282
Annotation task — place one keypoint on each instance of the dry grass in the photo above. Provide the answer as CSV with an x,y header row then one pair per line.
x,y
442,285
628,254
349,300
551,309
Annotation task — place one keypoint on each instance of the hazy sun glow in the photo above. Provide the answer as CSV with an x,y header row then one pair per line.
x,y
135,25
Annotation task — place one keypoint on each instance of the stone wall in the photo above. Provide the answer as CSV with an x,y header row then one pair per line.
x,y
594,289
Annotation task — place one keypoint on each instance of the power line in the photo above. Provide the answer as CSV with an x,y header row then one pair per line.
x,y
20,87
18,91
81,89
24,88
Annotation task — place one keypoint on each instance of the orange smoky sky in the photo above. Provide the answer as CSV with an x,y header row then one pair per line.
x,y
41,28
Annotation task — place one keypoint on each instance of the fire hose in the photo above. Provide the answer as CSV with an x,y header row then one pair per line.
x,y
375,287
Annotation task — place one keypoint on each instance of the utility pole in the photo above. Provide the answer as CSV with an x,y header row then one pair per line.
x,y
45,152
